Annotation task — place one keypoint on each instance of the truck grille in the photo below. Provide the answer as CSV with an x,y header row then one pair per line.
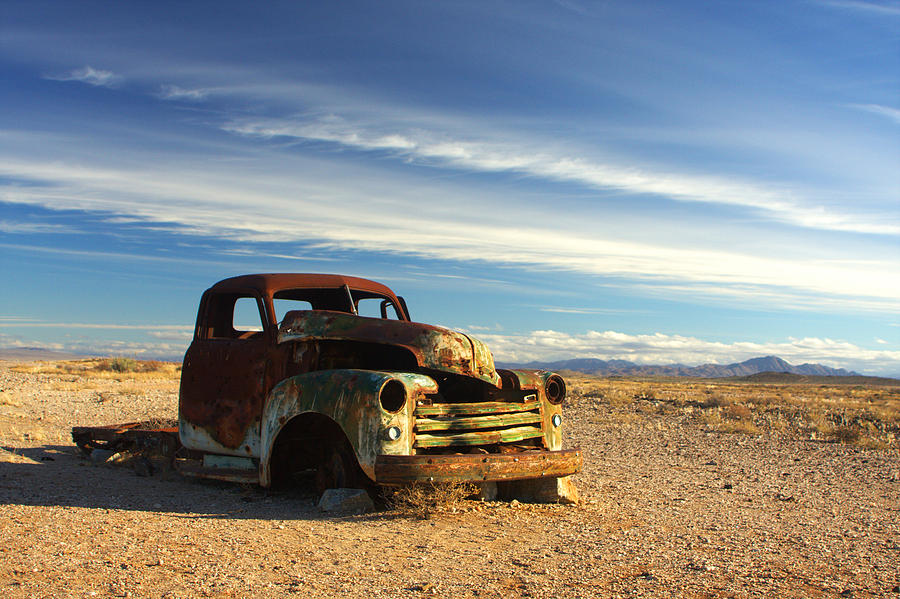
x,y
483,423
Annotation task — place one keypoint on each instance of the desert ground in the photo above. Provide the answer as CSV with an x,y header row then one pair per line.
x,y
759,488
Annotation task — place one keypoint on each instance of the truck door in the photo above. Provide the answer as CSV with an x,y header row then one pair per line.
x,y
223,380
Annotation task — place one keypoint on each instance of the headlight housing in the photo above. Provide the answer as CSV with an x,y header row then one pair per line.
x,y
392,396
555,389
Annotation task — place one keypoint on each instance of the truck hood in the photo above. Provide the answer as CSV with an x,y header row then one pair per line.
x,y
434,347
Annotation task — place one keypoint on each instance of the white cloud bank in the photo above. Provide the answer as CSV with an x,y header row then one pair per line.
x,y
659,348
351,215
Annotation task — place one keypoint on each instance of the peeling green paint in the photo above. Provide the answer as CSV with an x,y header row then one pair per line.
x,y
483,407
476,422
507,435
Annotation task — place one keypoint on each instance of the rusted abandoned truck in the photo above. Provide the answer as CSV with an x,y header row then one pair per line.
x,y
326,376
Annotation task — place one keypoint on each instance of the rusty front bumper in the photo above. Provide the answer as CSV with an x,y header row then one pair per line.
x,y
403,469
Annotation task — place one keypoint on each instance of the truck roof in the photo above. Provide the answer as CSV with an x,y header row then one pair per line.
x,y
269,283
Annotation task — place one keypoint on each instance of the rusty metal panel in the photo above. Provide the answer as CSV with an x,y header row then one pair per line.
x,y
536,380
268,284
234,475
434,347
134,435
484,407
398,470
526,379
223,384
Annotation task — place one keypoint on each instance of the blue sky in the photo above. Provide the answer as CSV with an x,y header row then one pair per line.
x,y
656,181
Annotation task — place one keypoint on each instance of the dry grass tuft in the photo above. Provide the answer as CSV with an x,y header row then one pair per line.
x,y
423,500
121,364
102,368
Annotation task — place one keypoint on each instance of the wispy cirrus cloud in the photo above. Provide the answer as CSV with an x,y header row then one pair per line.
x,y
89,75
892,114
174,92
18,227
780,203
591,311
880,8
659,348
28,323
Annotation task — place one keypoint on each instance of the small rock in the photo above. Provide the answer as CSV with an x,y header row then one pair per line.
x,y
349,501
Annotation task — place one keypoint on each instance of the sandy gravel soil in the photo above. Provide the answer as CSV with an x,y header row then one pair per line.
x,y
670,510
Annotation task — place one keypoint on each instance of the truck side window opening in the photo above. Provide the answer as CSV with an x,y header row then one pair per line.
x,y
246,317
230,316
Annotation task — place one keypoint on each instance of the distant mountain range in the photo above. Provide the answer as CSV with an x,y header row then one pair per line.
x,y
626,368
586,365
27,354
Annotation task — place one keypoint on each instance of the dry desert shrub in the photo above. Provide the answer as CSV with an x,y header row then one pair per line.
x,y
737,412
102,368
121,364
155,423
862,415
423,500
741,426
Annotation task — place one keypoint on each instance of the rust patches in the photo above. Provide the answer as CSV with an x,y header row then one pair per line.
x,y
433,347
398,470
353,400
222,389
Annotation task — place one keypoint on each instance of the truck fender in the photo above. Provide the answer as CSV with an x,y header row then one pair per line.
x,y
363,403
